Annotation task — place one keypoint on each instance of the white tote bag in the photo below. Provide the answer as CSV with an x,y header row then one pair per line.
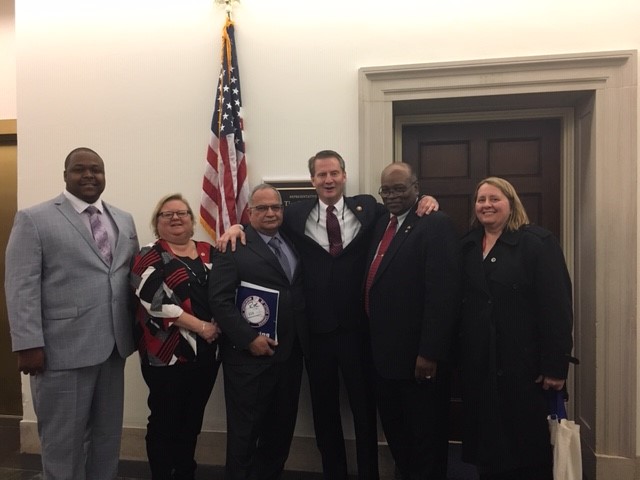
x,y
567,457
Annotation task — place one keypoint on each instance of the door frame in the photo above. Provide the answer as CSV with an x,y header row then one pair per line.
x,y
605,213
567,140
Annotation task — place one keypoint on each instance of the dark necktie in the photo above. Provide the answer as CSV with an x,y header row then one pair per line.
x,y
274,243
382,249
99,233
333,232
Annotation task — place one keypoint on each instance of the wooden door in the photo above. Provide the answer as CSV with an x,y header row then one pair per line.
x,y
10,394
450,159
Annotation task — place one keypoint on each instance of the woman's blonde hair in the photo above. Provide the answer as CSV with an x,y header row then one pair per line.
x,y
518,215
160,204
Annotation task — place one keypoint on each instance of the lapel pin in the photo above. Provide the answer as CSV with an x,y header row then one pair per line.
x,y
358,208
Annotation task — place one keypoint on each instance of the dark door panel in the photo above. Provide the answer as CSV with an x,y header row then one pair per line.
x,y
450,159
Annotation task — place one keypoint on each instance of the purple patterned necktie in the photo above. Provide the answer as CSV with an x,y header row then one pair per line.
x,y
99,233
333,232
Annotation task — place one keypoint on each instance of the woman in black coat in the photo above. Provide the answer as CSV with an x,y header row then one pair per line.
x,y
515,336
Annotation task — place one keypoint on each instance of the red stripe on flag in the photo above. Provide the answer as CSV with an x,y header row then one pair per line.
x,y
225,189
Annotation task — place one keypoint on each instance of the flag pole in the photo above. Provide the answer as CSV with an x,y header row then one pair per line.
x,y
225,186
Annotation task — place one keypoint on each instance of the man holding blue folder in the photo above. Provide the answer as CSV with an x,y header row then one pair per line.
x,y
265,337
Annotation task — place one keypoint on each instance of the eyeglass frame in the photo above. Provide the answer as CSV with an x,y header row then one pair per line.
x,y
395,190
276,208
168,215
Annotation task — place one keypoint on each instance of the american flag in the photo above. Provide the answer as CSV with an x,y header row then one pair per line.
x,y
225,188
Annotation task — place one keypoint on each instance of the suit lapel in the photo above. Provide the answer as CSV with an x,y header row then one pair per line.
x,y
361,214
259,246
67,210
119,231
298,223
378,233
398,239
474,267
295,252
357,209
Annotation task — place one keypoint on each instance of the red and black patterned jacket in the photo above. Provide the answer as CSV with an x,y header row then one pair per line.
x,y
161,284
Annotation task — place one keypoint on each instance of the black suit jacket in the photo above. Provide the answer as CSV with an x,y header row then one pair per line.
x,y
256,263
414,297
333,285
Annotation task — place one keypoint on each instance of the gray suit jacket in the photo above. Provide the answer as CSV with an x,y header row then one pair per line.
x,y
61,295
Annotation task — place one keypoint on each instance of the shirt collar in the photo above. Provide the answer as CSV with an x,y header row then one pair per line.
x,y
268,238
339,204
80,205
401,218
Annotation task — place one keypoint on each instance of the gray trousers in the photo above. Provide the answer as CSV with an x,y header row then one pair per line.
x,y
80,420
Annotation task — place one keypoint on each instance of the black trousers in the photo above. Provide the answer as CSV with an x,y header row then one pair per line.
x,y
345,353
262,407
178,395
414,417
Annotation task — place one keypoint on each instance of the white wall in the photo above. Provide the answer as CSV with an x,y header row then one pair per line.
x,y
135,81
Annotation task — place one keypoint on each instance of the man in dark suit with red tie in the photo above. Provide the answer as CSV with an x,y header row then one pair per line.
x,y
332,235
411,298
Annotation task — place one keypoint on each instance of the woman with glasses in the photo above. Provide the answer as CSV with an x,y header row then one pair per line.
x,y
176,337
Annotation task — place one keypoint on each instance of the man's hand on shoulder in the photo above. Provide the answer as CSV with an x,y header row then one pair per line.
x,y
231,236
31,361
426,205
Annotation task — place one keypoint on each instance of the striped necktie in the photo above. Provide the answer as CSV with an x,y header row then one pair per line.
x,y
333,232
99,233
274,243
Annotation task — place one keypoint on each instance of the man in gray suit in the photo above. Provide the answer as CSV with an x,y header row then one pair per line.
x,y
67,269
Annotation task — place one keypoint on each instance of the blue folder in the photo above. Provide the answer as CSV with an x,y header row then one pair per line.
x,y
258,305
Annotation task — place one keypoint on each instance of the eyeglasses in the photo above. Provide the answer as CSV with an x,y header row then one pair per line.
x,y
396,190
169,215
263,208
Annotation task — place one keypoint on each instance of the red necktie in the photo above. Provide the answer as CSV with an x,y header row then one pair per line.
x,y
382,249
333,232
